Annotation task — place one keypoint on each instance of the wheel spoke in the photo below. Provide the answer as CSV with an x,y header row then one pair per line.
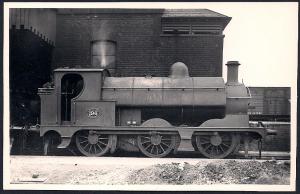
x,y
148,146
212,150
94,146
164,144
99,146
225,144
146,142
90,148
208,147
85,145
221,148
151,148
163,150
217,150
102,143
83,141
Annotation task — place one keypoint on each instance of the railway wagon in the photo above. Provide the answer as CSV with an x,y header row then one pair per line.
x,y
270,103
271,106
154,115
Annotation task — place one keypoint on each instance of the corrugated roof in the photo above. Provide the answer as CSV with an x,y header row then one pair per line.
x,y
191,13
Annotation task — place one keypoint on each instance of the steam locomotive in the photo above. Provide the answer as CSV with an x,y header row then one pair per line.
x,y
154,115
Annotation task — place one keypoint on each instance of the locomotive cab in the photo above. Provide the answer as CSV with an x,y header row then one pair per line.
x,y
75,99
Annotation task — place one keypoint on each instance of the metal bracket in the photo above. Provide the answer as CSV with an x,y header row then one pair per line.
x,y
186,140
259,147
65,142
113,146
46,146
246,145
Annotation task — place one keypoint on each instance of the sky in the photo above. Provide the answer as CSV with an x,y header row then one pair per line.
x,y
263,37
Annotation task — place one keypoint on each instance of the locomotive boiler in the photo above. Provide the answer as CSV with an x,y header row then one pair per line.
x,y
154,115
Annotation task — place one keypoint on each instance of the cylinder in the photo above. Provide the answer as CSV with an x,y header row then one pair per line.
x,y
233,71
104,55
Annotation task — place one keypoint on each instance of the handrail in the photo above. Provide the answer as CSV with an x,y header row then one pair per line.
x,y
249,92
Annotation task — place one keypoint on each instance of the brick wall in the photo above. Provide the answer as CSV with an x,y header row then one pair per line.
x,y
141,49
202,54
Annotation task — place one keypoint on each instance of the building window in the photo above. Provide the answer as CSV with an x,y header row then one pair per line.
x,y
191,29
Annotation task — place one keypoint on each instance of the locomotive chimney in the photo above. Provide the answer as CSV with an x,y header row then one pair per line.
x,y
233,71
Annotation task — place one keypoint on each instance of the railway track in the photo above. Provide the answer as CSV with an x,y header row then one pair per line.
x,y
266,155
252,155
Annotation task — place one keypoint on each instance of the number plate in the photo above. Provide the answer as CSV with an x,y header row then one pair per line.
x,y
94,113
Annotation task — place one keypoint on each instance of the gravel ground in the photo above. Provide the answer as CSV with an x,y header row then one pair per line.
x,y
220,172
114,170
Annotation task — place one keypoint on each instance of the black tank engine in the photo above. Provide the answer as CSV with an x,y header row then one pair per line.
x,y
154,115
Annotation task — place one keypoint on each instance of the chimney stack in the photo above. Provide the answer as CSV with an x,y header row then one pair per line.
x,y
233,71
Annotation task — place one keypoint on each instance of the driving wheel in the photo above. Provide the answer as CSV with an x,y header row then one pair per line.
x,y
217,145
90,143
156,145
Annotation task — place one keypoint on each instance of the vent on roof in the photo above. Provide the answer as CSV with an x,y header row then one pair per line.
x,y
207,29
176,29
188,28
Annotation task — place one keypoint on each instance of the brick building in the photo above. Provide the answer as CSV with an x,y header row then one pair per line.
x,y
141,41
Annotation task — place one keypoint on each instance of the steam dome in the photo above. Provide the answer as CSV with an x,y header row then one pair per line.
x,y
179,70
